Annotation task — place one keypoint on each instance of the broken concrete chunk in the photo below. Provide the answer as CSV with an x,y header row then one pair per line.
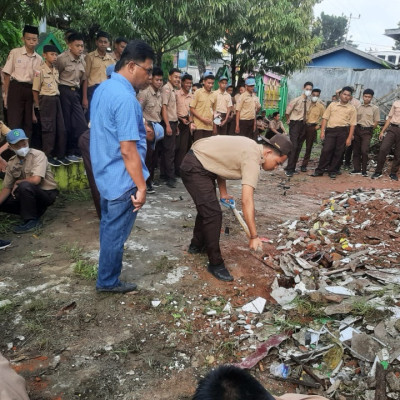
x,y
256,306
364,345
339,290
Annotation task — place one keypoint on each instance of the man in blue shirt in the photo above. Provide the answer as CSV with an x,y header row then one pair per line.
x,y
118,150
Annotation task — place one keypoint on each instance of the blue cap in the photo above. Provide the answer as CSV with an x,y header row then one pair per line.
x,y
208,74
110,69
158,134
250,82
15,136
223,78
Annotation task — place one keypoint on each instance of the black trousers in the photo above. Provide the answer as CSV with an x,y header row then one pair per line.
x,y
297,131
361,142
246,127
20,106
168,152
201,134
74,117
222,130
200,184
309,138
392,138
54,139
90,93
84,146
333,148
183,141
30,201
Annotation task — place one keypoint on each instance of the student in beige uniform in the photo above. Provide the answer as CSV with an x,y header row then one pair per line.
x,y
170,125
18,72
368,116
313,123
296,115
71,68
223,105
337,130
202,108
247,107
390,134
276,126
47,100
151,101
184,138
96,64
119,46
28,187
219,158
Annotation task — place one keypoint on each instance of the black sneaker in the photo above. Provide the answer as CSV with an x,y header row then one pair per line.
x,y
196,250
28,226
376,175
332,175
123,287
303,169
53,162
73,159
171,183
150,189
355,172
220,272
364,174
346,166
317,174
4,244
289,173
64,161
393,177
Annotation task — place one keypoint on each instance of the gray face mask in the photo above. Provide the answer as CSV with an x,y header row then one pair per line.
x,y
307,92
22,152
314,99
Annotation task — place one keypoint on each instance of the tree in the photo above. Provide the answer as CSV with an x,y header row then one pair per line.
x,y
330,29
271,35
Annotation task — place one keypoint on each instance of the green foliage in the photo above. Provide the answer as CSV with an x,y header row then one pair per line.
x,y
330,30
10,37
86,269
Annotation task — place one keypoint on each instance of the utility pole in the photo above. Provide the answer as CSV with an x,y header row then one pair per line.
x,y
349,23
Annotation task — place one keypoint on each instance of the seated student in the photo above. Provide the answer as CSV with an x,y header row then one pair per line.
x,y
262,125
275,126
28,187
229,382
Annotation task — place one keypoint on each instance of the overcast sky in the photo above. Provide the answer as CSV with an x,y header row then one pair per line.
x,y
376,16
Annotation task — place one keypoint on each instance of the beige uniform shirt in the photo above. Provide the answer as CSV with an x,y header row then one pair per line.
x,y
368,115
12,385
273,124
247,105
46,81
315,113
168,95
339,114
204,104
223,101
355,102
295,109
71,70
183,101
151,103
395,113
231,157
34,164
96,67
21,66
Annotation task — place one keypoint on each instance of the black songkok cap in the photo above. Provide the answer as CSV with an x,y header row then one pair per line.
x,y
30,29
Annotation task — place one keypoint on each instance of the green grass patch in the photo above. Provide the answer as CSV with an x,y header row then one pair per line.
x,y
74,251
77,195
164,264
7,222
308,308
86,269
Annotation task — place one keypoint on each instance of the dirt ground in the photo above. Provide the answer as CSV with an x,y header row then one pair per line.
x,y
69,342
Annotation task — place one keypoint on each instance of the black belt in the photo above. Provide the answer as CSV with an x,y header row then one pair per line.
x,y
69,87
364,128
396,125
27,84
311,124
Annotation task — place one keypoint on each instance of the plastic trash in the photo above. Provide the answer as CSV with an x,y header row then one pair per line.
x,y
279,370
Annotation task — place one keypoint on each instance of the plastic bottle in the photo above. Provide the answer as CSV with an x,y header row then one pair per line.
x,y
280,370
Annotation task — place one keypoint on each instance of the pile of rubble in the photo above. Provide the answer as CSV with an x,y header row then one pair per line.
x,y
335,329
